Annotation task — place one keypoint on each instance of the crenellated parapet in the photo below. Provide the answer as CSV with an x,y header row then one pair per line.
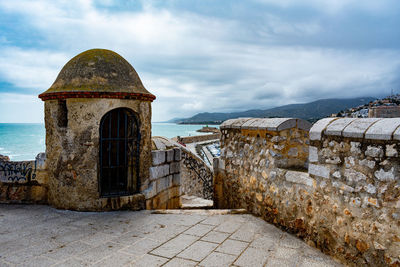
x,y
387,129
285,140
339,189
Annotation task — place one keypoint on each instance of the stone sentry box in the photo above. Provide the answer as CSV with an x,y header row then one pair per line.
x,y
98,134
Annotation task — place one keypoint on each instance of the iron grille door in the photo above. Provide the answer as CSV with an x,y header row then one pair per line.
x,y
119,153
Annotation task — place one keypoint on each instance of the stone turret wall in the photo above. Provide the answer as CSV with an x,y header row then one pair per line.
x,y
346,202
72,150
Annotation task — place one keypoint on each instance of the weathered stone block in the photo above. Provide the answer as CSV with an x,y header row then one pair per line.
x,y
170,155
333,160
299,178
388,176
337,126
355,148
383,129
162,184
170,178
312,154
176,179
151,190
391,151
237,123
159,171
368,163
336,175
370,189
318,170
358,127
277,139
354,176
174,167
349,161
318,127
374,151
342,186
251,124
178,154
158,157
159,144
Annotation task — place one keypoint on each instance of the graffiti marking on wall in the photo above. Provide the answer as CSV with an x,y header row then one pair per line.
x,y
17,171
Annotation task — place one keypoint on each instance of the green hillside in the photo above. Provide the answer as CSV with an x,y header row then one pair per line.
x,y
308,111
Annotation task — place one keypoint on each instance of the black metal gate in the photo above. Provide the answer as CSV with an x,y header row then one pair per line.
x,y
119,153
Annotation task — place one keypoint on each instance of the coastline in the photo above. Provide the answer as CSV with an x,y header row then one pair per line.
x,y
23,141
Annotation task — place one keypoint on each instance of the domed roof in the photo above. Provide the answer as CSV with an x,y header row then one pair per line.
x,y
97,73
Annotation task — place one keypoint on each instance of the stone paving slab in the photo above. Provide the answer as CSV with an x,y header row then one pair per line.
x,y
43,236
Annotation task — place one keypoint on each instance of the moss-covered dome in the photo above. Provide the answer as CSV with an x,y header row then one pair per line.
x,y
97,71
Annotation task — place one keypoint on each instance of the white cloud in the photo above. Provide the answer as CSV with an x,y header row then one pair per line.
x,y
335,6
30,68
19,108
196,63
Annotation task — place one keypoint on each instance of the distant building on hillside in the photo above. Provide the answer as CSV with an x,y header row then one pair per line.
x,y
384,112
362,113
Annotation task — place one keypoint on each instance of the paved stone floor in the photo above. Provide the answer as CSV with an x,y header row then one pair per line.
x,y
43,236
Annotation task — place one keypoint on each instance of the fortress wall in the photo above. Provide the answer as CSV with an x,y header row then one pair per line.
x,y
23,181
346,202
197,176
194,177
163,189
199,138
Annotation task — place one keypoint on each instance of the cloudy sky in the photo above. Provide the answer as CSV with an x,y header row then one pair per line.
x,y
205,55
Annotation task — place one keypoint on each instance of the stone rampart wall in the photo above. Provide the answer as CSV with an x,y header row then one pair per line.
x,y
347,202
199,138
197,176
164,185
23,181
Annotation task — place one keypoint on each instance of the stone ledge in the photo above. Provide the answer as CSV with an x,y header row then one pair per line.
x,y
270,124
299,178
336,127
318,170
318,127
366,128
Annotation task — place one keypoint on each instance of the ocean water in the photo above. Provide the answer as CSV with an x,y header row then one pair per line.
x,y
23,141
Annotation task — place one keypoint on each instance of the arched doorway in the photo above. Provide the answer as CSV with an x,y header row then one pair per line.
x,y
119,153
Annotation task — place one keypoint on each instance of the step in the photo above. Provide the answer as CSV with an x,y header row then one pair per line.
x,y
194,202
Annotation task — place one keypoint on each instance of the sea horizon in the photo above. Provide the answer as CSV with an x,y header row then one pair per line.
x,y
23,141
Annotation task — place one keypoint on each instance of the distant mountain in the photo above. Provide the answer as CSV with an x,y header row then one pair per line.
x,y
175,120
309,111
